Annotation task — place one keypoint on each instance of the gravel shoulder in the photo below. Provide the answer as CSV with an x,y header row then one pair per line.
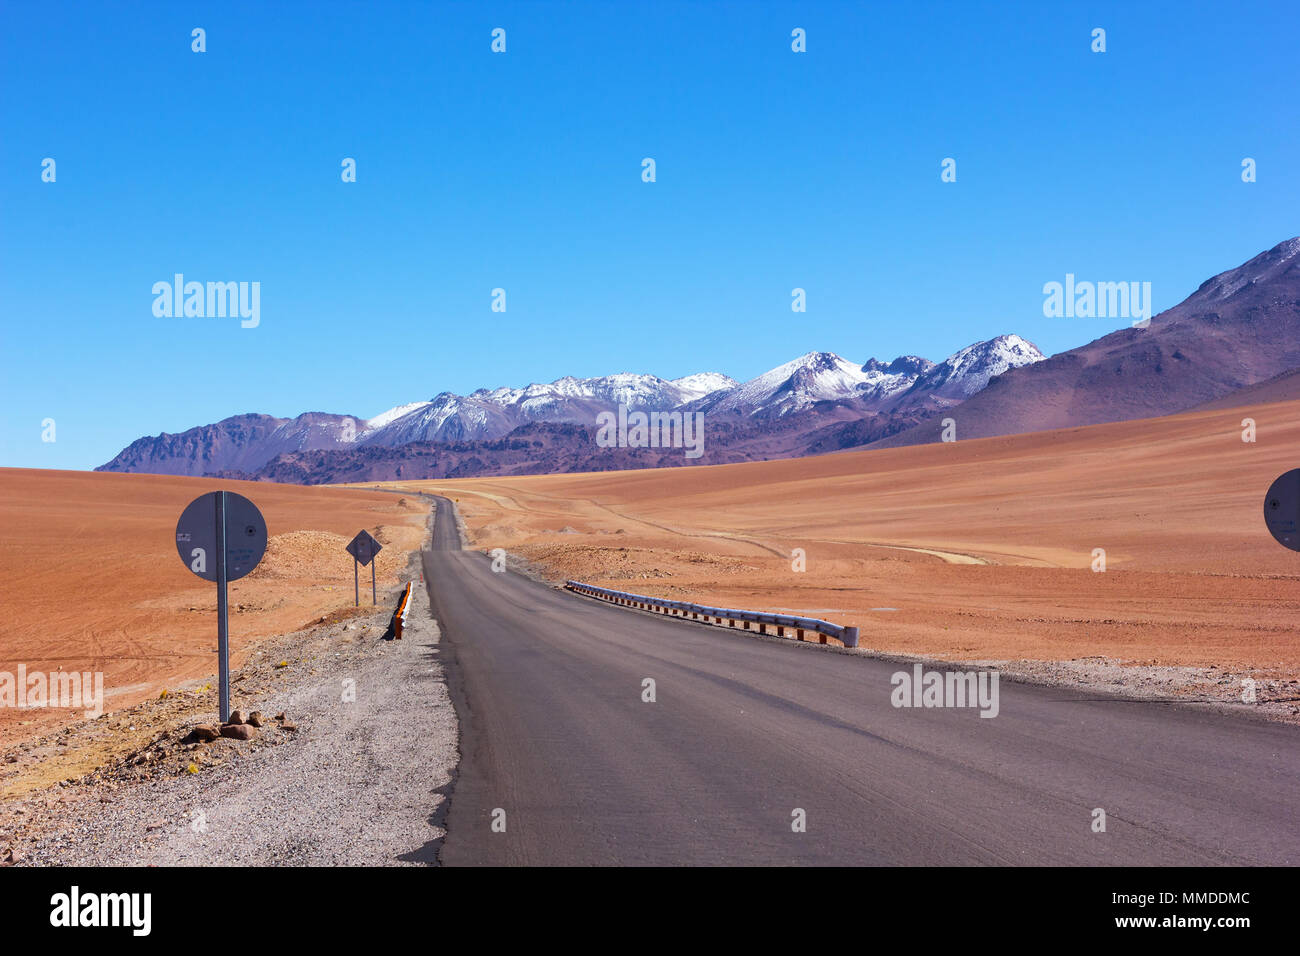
x,y
357,772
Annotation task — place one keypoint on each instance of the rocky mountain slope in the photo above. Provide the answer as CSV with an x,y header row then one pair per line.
x,y
1240,328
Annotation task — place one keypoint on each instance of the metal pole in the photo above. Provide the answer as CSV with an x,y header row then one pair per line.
x,y
372,581
356,587
223,633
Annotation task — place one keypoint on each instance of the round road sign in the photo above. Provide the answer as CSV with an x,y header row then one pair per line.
x,y
196,536
1282,509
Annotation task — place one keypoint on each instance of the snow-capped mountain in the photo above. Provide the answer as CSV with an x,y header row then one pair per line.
x,y
492,413
703,383
883,382
792,387
826,377
448,417
545,402
811,383
383,418
968,371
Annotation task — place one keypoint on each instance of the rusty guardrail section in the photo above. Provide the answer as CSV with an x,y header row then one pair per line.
x,y
848,636
399,614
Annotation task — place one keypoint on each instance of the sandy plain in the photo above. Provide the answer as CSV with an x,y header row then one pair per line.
x,y
90,579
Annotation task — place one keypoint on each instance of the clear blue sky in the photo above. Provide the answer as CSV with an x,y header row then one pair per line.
x,y
523,171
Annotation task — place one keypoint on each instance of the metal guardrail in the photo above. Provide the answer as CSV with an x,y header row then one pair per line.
x,y
848,636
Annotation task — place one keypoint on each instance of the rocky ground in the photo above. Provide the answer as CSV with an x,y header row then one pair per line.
x,y
1225,689
351,763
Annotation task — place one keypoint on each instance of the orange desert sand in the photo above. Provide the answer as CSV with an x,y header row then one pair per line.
x,y
90,579
977,550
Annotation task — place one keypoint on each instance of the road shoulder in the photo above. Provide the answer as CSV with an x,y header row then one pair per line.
x,y
356,774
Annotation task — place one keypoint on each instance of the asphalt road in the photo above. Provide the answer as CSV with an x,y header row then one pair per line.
x,y
744,732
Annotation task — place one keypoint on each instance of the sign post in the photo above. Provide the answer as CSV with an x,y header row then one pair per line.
x,y
223,608
221,536
363,549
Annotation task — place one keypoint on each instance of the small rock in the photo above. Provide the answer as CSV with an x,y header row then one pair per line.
x,y
280,716
238,731
288,725
203,735
255,718
237,717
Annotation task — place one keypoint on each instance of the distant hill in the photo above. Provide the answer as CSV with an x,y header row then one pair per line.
x,y
1279,388
1239,329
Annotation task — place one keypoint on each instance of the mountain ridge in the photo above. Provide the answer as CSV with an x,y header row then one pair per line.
x,y
836,388
1239,331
